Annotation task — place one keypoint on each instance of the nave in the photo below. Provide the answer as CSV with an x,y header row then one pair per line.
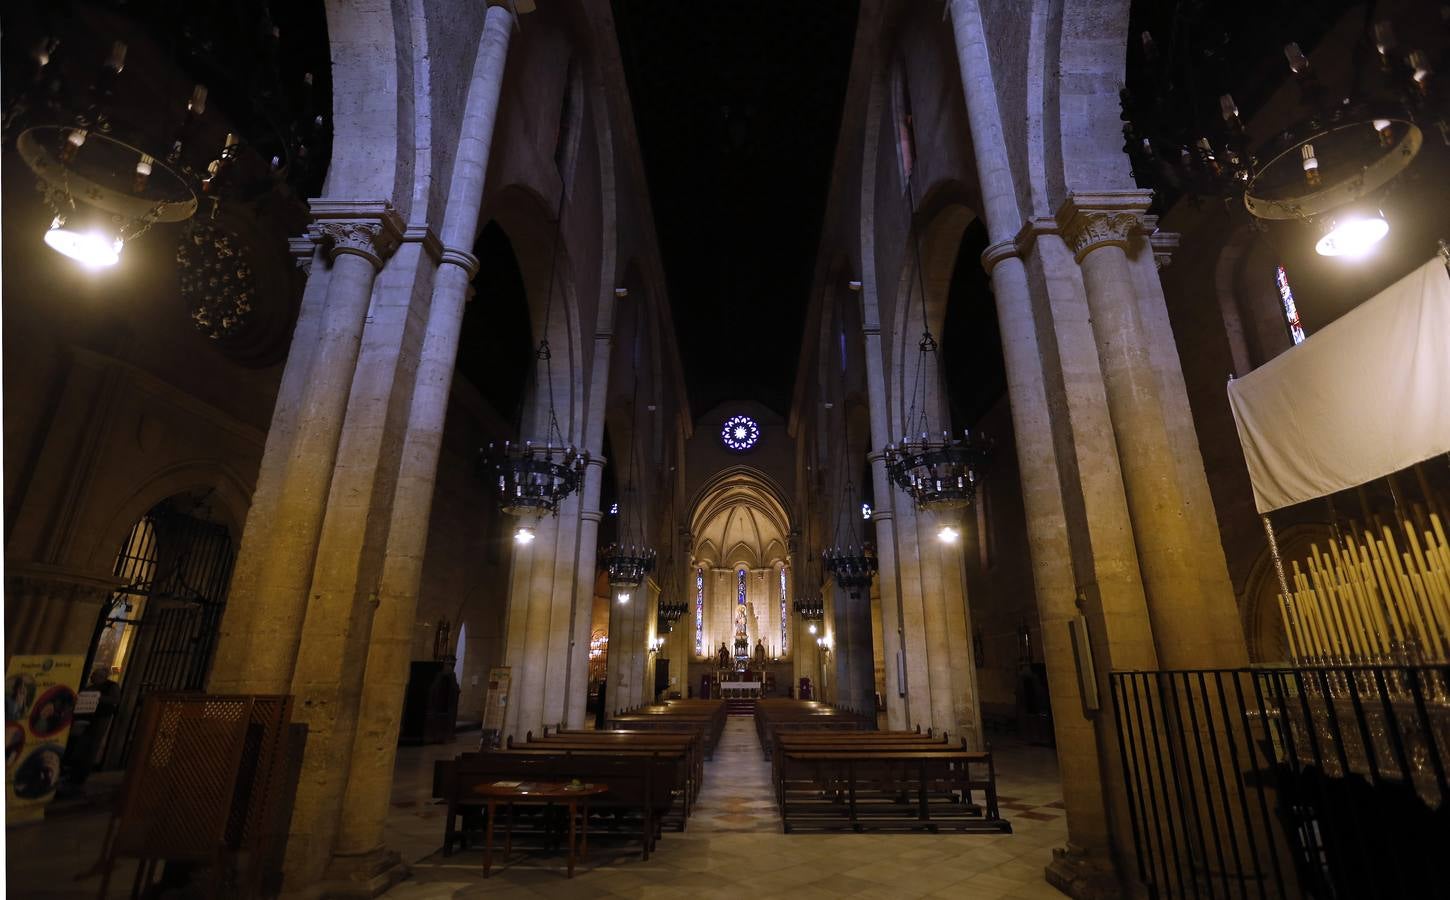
x,y
733,845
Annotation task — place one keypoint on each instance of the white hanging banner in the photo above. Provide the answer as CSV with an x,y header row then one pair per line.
x,y
1366,396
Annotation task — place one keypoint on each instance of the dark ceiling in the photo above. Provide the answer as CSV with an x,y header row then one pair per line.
x,y
737,106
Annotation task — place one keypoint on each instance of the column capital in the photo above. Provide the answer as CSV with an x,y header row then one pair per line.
x,y
451,256
371,229
1111,219
995,253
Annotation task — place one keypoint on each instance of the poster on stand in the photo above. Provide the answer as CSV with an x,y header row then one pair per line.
x,y
40,704
495,704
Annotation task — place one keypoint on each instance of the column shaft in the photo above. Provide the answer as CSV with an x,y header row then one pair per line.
x,y
366,801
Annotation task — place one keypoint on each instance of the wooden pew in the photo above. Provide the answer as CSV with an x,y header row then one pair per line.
x,y
680,747
860,787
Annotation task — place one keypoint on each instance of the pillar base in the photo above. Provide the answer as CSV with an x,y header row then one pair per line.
x,y
365,875
1083,877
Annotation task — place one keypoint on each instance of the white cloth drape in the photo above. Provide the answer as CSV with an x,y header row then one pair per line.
x,y
1366,396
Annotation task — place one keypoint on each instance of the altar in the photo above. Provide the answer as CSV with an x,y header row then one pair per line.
x,y
739,689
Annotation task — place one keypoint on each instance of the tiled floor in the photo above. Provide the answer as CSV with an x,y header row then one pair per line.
x,y
734,848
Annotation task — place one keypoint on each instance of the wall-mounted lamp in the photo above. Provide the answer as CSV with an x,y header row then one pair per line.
x,y
621,293
622,596
854,285
523,535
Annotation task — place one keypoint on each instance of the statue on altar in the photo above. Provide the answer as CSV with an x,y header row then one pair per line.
x,y
760,656
722,658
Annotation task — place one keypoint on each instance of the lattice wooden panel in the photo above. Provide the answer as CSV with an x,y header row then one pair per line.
x,y
179,793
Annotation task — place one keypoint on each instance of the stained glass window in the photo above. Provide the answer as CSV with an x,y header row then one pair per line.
x,y
699,612
740,587
784,616
1291,312
740,433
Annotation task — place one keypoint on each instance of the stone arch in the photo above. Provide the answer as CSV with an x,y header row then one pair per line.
x,y
231,491
531,227
373,104
1263,625
943,220
1082,68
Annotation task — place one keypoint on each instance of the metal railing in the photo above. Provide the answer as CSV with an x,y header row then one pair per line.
x,y
1286,782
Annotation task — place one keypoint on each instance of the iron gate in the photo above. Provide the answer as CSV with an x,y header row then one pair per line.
x,y
178,568
1284,782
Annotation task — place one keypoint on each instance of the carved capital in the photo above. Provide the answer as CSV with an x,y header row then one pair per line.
x,y
1092,221
370,240
371,229
1088,230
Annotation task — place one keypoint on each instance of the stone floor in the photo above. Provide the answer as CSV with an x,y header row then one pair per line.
x,y
734,847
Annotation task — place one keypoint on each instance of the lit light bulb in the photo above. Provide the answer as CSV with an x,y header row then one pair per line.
x,y
622,596
1353,237
523,535
812,628
948,535
91,249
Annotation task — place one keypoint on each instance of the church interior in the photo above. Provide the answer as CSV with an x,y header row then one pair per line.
x,y
839,448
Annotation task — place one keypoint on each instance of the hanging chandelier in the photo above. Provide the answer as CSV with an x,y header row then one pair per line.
x,y
936,469
1330,169
810,610
669,614
532,479
114,155
852,562
628,561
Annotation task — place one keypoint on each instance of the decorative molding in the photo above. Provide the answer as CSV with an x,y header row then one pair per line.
x,y
1164,244
592,515
303,250
1032,227
420,233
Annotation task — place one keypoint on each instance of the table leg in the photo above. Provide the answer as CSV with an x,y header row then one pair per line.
x,y
508,835
573,807
584,827
488,839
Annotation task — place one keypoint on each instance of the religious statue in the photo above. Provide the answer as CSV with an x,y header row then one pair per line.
x,y
723,657
760,656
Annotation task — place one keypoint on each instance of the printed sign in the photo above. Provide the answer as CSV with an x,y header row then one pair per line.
x,y
496,702
40,704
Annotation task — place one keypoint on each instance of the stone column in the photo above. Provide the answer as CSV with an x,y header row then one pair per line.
x,y
1055,401
863,667
359,236
841,660
1195,618
359,844
897,703
587,567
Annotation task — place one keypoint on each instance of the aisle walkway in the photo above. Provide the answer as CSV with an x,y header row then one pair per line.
x,y
734,847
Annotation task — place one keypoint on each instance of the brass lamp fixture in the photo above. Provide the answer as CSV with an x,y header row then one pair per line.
x,y
532,479
1330,169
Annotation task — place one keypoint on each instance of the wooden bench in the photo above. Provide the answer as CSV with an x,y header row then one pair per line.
x,y
916,789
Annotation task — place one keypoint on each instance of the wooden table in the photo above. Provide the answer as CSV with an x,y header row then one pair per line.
x,y
548,793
